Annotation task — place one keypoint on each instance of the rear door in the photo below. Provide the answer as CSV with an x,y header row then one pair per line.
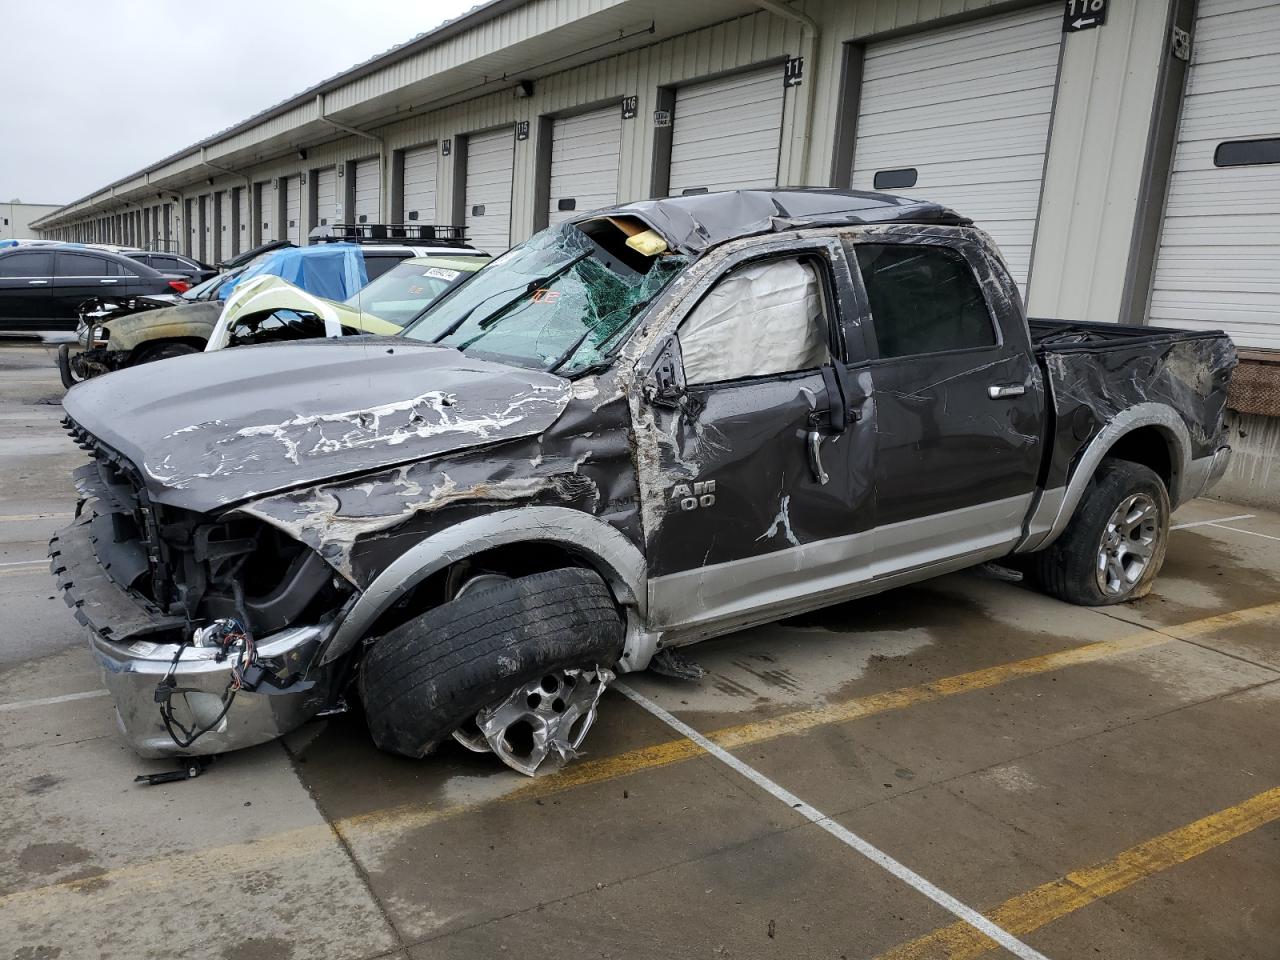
x,y
959,401
26,278
77,277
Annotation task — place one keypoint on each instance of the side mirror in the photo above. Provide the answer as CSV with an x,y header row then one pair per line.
x,y
664,385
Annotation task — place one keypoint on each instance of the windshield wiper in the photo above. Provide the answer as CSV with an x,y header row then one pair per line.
x,y
568,354
528,288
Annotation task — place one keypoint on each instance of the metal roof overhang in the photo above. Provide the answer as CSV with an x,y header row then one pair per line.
x,y
425,74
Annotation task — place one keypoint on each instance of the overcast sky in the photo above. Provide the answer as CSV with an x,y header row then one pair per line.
x,y
93,90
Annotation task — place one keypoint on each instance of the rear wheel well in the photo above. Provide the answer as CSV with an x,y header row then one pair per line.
x,y
1149,446
511,560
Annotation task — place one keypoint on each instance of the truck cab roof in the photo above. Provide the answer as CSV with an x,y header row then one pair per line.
x,y
695,223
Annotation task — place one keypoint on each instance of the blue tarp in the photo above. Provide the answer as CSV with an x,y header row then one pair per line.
x,y
334,271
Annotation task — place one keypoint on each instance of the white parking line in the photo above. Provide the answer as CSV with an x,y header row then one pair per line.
x,y
1210,523
847,837
22,563
45,701
1252,533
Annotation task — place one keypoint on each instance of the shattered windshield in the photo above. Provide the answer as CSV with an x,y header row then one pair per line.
x,y
560,302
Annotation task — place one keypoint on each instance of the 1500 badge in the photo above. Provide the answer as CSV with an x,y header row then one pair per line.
x,y
692,496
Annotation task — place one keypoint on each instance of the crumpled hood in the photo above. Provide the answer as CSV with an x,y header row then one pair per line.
x,y
214,429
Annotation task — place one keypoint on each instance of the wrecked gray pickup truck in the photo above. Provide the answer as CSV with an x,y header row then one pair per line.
x,y
653,425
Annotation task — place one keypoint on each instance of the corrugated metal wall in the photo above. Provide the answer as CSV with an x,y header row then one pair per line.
x,y
1094,164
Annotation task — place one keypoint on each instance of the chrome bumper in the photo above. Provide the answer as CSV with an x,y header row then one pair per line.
x,y
133,672
134,644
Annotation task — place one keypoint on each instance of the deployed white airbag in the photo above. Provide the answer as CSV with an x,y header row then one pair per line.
x,y
762,319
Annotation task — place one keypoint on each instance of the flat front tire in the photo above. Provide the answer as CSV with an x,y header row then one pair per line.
x,y
427,677
1115,544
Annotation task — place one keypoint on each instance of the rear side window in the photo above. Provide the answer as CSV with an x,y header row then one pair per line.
x,y
375,265
27,264
81,265
923,300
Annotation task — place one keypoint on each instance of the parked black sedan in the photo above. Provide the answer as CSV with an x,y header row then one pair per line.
x,y
41,288
193,270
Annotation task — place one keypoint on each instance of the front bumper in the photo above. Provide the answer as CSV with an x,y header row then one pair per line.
x,y
134,644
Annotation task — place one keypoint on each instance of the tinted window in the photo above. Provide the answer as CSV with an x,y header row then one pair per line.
x,y
27,264
923,300
1242,153
117,269
375,265
81,265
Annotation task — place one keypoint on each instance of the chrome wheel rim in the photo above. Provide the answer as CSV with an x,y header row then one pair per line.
x,y
548,717
1128,544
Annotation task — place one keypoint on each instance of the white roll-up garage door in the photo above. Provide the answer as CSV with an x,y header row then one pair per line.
x,y
223,250
961,116
205,221
490,159
725,133
243,233
293,209
368,190
326,196
189,210
1218,265
584,162
419,187
266,211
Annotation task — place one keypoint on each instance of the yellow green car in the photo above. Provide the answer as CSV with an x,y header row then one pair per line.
x,y
267,308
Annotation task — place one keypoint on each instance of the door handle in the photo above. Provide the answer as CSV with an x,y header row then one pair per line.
x,y
37,283
1003,391
108,281
814,444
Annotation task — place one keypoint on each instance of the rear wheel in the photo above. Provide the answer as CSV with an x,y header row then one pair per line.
x,y
1115,544
480,657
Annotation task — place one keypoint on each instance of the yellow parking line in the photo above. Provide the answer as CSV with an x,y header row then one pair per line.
x,y
796,722
1032,910
394,820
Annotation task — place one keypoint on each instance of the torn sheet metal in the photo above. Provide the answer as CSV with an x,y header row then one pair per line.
x,y
1096,371
237,424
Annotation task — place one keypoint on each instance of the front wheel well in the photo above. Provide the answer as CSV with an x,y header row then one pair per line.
x,y
511,560
143,351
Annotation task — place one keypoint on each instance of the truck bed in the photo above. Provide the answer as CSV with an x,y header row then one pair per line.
x,y
1095,371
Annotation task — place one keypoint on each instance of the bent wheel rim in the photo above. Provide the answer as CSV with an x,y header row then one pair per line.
x,y
1128,545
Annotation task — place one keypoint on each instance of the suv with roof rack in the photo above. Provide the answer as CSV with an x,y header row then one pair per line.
x,y
644,427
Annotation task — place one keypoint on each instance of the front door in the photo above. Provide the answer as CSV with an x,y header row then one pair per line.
x,y
25,280
959,402
761,497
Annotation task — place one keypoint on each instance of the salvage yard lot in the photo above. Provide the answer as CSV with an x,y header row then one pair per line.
x,y
1097,782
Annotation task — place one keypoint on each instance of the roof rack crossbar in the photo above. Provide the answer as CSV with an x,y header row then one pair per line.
x,y
436,233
